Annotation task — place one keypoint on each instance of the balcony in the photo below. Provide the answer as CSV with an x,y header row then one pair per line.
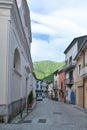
x,y
69,66
39,90
55,88
69,81
83,72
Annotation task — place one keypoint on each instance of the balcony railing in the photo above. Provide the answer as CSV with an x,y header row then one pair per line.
x,y
57,87
69,81
69,66
83,72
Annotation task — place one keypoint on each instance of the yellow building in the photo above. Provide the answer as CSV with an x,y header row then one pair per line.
x,y
81,76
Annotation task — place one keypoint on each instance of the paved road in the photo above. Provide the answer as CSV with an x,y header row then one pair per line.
x,y
52,115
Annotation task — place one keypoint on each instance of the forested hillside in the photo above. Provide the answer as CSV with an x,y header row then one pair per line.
x,y
45,69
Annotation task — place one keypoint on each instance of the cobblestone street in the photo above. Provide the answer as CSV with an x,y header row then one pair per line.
x,y
52,115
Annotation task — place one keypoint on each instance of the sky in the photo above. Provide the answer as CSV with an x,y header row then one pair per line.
x,y
54,24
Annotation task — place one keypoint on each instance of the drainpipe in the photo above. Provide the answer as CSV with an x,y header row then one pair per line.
x,y
83,80
83,93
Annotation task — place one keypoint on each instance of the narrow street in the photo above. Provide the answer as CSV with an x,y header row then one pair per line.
x,y
52,115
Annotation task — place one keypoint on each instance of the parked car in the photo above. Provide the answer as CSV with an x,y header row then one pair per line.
x,y
43,96
39,98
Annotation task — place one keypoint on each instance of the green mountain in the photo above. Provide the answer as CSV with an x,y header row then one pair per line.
x,y
49,78
44,69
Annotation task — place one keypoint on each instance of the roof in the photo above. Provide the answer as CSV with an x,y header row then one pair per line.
x,y
79,40
55,71
60,71
84,44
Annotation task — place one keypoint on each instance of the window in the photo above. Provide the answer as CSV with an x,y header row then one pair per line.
x,y
62,94
71,75
66,92
41,87
61,85
70,59
79,69
37,85
17,61
85,60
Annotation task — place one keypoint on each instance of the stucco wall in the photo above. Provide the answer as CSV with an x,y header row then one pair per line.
x,y
72,52
85,84
79,83
13,84
4,39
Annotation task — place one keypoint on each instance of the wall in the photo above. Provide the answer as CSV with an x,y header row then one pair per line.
x,y
72,52
79,83
4,39
61,80
85,82
14,82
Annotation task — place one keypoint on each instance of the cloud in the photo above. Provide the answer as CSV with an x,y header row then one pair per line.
x,y
45,6
54,25
42,50
57,23
41,28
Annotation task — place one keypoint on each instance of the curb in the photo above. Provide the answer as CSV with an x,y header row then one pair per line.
x,y
80,109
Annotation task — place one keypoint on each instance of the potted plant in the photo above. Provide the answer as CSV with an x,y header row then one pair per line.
x,y
30,100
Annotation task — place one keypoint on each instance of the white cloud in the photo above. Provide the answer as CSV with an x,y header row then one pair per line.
x,y
46,6
42,50
57,23
40,28
62,20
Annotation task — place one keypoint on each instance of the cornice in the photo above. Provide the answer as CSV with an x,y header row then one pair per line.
x,y
26,8
6,3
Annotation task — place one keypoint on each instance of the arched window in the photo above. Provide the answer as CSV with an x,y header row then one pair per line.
x,y
17,62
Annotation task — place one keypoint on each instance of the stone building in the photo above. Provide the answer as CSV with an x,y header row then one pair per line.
x,y
15,55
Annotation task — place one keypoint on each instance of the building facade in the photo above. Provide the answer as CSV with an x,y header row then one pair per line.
x,y
16,63
70,68
55,86
39,88
61,85
50,90
81,73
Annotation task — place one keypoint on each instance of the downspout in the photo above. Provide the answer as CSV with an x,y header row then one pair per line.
x,y
83,80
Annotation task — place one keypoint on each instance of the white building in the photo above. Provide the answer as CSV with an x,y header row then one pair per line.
x,y
16,63
70,69
50,90
55,86
41,88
